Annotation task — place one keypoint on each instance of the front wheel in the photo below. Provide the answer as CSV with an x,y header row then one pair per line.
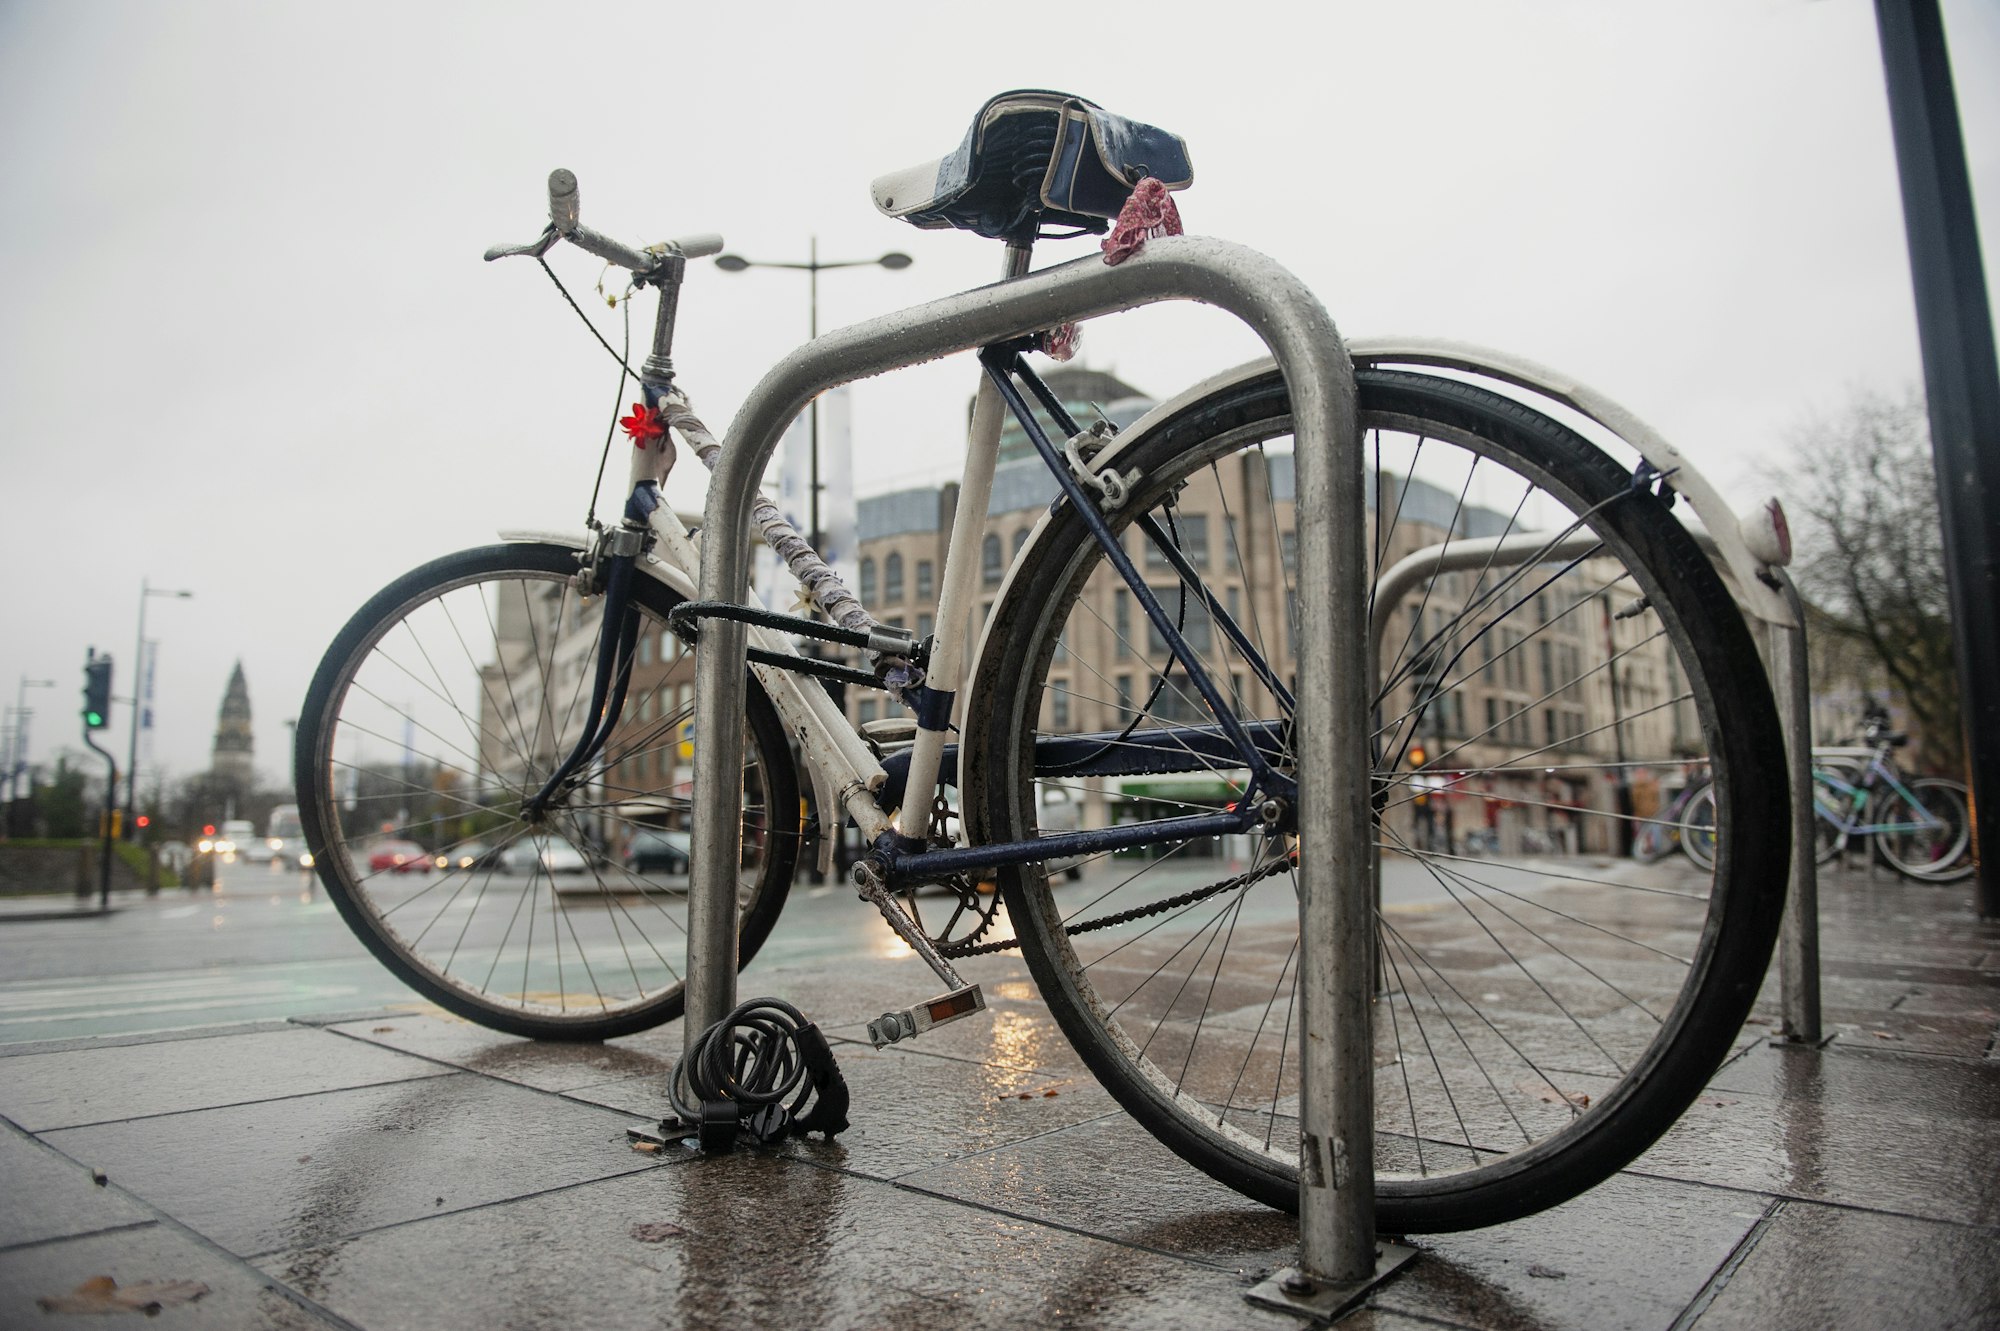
x,y
1544,1012
439,710
1926,835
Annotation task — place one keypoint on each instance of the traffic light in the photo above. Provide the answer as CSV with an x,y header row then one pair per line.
x,y
1417,755
142,822
96,691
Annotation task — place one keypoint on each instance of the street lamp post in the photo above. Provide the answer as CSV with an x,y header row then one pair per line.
x,y
812,268
139,703
17,751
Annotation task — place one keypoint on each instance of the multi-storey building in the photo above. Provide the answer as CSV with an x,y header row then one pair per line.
x,y
1538,698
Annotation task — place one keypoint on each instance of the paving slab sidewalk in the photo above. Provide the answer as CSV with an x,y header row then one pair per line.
x,y
406,1170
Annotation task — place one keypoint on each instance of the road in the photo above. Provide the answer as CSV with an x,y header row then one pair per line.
x,y
267,944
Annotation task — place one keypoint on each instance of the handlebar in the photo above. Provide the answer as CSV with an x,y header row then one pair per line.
x,y
564,211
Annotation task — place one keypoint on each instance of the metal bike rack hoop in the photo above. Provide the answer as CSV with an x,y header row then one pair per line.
x,y
1336,1173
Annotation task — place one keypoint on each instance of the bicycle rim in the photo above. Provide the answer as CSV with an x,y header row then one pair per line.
x,y
1927,836
443,705
1548,1006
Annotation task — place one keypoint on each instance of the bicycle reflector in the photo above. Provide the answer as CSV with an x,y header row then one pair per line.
x,y
96,692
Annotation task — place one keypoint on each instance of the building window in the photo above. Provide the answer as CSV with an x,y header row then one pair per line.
x,y
866,711
867,592
924,625
990,566
645,650
670,646
1121,621
1059,707
1194,628
926,580
1190,532
1020,539
1125,694
1548,655
1288,550
892,579
1492,717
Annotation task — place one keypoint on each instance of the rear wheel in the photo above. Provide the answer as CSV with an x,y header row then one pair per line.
x,y
1542,1017
442,706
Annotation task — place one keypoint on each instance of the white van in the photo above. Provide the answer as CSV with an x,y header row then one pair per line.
x,y
237,837
285,839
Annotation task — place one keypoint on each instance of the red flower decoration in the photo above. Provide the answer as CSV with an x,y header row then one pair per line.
x,y
643,426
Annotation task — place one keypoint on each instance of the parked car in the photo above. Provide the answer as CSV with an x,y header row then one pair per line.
x,y
471,855
1058,813
652,851
398,857
555,855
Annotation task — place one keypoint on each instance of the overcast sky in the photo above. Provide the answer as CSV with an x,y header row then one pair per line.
x,y
250,348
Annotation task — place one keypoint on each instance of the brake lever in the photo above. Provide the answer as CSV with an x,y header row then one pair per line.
x,y
533,250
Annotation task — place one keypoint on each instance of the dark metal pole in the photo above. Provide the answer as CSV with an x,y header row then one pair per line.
x,y
1961,379
138,714
110,817
1625,833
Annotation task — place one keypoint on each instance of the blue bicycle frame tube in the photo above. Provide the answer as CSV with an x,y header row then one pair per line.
x,y
1001,364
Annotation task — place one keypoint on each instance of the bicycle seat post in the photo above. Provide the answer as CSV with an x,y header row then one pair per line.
x,y
959,594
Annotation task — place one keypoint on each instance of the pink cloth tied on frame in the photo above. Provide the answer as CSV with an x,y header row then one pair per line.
x,y
1148,212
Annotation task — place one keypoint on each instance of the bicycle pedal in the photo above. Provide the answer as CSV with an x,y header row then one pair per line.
x,y
910,1022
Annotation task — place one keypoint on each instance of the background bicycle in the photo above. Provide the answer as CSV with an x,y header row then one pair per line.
x,y
1917,825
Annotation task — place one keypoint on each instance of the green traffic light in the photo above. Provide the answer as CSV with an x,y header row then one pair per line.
x,y
94,719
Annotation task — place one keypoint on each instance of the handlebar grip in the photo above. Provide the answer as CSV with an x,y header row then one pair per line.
x,y
563,203
698,246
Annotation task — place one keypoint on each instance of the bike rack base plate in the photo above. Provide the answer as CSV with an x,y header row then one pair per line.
x,y
1292,1290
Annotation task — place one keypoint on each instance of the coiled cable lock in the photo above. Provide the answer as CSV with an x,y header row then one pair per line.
x,y
737,1075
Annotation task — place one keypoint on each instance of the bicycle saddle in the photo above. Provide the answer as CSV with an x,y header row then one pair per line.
x,y
1033,159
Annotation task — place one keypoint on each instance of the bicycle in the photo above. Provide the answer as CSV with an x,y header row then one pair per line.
x,y
1542,1030
1665,834
1919,826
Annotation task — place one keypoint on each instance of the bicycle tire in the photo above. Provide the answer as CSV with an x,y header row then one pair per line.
x,y
1927,855
470,674
1142,1031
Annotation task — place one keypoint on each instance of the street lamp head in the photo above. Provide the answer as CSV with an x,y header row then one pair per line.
x,y
895,259
731,263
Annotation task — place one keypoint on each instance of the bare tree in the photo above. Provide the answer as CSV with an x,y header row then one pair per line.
x,y
1863,502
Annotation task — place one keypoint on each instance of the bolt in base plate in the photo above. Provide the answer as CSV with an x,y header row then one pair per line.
x,y
1292,1290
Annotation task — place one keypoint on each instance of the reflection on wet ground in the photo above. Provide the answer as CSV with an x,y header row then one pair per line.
x,y
409,1170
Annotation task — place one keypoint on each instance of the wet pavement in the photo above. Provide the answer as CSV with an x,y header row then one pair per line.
x,y
399,1168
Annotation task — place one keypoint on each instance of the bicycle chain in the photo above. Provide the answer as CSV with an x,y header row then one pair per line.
x,y
1200,894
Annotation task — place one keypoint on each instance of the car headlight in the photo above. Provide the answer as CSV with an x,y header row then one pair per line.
x,y
204,846
305,859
